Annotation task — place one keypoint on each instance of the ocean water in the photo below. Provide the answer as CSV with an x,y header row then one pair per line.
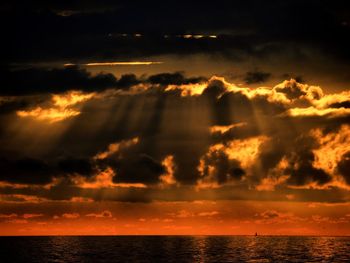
x,y
174,249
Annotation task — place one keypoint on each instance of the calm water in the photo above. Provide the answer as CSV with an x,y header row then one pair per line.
x,y
174,249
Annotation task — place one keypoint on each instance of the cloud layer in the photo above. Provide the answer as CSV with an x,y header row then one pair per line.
x,y
155,137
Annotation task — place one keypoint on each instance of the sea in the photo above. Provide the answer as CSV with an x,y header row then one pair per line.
x,y
174,249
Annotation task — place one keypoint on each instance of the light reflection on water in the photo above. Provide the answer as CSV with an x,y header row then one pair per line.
x,y
175,249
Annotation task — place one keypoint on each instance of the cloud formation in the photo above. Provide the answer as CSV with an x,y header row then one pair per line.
x,y
32,81
179,133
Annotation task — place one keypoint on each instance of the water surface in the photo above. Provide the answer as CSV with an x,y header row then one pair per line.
x,y
174,249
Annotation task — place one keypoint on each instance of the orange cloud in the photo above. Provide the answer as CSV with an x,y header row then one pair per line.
x,y
269,183
332,147
188,89
301,100
187,214
18,221
52,115
317,103
244,151
104,179
224,128
79,199
104,214
116,147
209,214
27,216
71,98
295,92
331,99
275,177
168,177
117,63
182,214
70,215
276,217
8,215
62,107
272,95
312,111
198,88
19,197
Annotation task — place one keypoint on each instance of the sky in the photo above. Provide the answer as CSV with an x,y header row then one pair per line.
x,y
175,118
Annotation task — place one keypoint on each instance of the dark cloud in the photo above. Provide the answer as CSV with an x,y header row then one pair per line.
x,y
344,167
11,105
25,171
298,78
40,172
344,104
236,132
176,78
300,164
306,173
138,169
292,90
252,77
226,169
57,80
127,80
131,164
81,166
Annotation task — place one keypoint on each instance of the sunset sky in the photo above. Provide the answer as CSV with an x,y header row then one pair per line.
x,y
181,117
